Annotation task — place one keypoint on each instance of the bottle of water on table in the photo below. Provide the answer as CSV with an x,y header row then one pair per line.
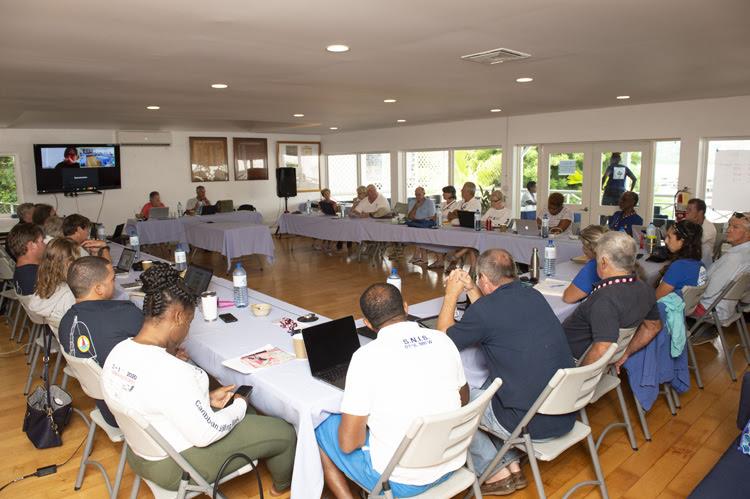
x,y
394,278
550,258
477,220
179,209
135,244
308,207
180,258
239,280
545,226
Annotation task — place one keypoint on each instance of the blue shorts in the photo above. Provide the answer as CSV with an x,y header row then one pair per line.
x,y
357,465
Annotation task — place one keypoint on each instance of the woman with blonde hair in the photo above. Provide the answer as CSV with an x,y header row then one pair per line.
x,y
584,281
52,228
52,296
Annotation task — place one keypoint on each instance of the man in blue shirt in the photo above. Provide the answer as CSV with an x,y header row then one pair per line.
x,y
613,180
523,343
626,217
421,207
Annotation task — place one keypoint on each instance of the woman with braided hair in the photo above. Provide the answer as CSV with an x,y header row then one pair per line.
x,y
143,373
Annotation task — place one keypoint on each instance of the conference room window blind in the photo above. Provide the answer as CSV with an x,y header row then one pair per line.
x,y
375,168
342,176
428,169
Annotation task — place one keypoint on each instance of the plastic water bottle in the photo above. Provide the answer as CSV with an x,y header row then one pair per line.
x,y
439,218
135,244
100,232
180,258
394,278
651,238
550,258
239,279
477,220
179,209
545,226
308,207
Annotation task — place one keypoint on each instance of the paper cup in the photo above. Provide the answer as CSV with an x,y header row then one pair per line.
x,y
146,264
299,346
210,306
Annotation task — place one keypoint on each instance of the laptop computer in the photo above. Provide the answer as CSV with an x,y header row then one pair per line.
x,y
198,278
127,257
225,206
526,227
159,213
330,347
466,219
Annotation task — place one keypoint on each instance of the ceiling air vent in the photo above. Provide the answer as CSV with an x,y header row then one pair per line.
x,y
495,56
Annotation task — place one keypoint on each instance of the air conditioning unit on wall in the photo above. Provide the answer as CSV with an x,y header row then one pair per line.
x,y
144,138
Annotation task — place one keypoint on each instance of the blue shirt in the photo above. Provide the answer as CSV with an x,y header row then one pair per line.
x,y
617,222
524,344
427,210
685,272
617,175
587,277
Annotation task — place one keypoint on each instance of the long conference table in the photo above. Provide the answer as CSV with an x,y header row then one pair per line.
x,y
358,229
288,390
171,230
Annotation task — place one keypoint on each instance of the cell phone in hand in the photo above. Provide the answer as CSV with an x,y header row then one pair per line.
x,y
227,318
244,391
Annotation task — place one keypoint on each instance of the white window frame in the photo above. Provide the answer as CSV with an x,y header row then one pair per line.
x,y
19,181
358,156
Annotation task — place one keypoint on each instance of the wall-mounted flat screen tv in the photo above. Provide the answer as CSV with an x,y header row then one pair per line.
x,y
76,167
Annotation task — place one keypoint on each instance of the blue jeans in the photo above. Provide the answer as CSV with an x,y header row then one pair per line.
x,y
484,447
528,215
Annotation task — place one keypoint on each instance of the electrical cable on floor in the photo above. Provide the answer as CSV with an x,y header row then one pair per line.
x,y
45,470
4,354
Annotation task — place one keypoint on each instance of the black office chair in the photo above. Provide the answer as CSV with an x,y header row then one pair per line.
x,y
246,207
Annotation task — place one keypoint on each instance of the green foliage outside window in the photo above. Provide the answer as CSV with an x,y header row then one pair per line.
x,y
8,193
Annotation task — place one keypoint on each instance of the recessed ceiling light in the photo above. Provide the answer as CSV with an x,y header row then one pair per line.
x,y
389,101
524,79
333,128
219,85
496,110
623,97
337,48
400,121
152,108
298,115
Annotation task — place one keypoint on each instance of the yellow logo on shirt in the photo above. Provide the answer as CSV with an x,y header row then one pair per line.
x,y
83,344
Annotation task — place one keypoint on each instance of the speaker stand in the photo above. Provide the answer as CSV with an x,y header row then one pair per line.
x,y
286,204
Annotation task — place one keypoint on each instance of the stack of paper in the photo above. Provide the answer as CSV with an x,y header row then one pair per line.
x,y
261,358
552,287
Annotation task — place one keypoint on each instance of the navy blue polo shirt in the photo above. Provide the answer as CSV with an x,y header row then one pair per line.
x,y
617,222
617,175
524,345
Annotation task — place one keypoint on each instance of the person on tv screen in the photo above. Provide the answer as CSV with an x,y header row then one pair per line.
x,y
70,159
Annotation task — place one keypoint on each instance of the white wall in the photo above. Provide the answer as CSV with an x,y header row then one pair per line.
x,y
162,168
689,121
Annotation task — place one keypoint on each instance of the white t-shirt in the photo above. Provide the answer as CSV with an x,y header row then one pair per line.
x,y
707,242
498,217
405,373
554,220
472,204
365,206
447,207
525,198
193,203
170,394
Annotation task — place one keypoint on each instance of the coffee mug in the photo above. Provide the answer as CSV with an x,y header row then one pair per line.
x,y
146,264
299,346
210,306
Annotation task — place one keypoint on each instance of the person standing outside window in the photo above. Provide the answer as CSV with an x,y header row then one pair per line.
x,y
613,180
528,202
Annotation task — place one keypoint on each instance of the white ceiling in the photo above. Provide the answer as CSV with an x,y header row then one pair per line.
x,y
97,64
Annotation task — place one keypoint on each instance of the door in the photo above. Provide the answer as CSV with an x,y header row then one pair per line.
x,y
564,169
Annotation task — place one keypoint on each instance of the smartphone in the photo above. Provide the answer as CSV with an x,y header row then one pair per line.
x,y
227,318
244,391
129,285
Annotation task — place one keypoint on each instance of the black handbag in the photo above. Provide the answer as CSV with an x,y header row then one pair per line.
x,y
48,408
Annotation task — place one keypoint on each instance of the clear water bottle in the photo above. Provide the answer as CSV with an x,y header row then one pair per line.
x,y
394,278
439,218
308,207
477,220
101,233
651,242
179,209
239,280
550,258
135,244
180,258
545,226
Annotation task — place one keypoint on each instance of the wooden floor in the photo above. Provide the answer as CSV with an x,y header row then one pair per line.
x,y
683,449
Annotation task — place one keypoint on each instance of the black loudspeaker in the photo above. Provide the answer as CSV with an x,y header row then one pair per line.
x,y
286,182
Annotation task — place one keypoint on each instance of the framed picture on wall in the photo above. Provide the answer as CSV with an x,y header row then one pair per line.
x,y
208,159
305,157
250,158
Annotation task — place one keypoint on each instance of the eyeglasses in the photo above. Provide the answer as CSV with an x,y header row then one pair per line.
x,y
738,214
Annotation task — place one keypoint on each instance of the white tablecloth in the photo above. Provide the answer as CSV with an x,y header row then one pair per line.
x,y
335,229
231,239
173,229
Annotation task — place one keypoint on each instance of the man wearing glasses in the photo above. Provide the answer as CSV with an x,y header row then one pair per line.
x,y
731,264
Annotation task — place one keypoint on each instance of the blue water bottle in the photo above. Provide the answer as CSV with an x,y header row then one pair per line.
x,y
239,280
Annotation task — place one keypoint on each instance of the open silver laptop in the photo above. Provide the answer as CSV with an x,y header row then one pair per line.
x,y
526,227
159,213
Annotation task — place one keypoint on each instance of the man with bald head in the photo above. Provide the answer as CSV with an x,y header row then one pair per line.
x,y
375,204
523,343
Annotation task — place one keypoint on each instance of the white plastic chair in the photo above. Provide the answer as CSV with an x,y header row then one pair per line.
x,y
437,439
611,381
88,373
692,295
568,391
146,442
734,290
